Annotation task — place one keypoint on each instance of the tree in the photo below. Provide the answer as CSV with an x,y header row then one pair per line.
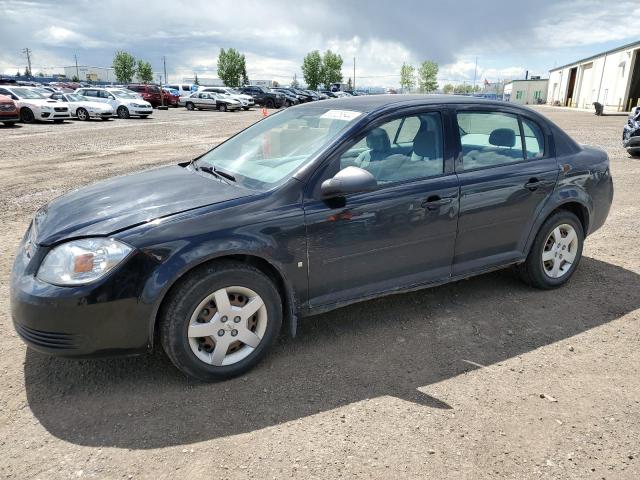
x,y
448,89
243,72
349,85
230,67
427,76
407,80
18,73
195,79
331,68
294,82
312,69
144,71
27,72
40,74
124,66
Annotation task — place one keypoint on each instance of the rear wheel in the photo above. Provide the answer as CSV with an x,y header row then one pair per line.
x,y
245,108
220,321
555,253
123,112
26,115
190,106
222,107
82,114
269,103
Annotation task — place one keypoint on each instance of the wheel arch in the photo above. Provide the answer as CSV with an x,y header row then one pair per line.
x,y
268,268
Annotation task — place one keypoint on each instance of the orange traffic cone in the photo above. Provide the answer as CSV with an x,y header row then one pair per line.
x,y
265,113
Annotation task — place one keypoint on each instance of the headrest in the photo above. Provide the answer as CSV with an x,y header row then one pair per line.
x,y
378,140
503,137
424,144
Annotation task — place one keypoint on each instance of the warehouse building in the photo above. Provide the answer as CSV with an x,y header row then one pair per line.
x,y
526,92
87,73
611,78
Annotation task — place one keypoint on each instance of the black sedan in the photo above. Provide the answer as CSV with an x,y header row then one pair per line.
x,y
312,208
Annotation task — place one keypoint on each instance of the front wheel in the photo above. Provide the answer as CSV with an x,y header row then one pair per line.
x,y
270,103
190,106
245,108
223,107
82,114
26,115
123,112
555,253
220,321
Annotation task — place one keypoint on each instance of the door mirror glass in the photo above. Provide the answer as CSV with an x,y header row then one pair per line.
x,y
348,180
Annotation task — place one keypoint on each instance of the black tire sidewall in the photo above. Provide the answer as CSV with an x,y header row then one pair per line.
x,y
535,269
26,115
184,300
189,106
123,112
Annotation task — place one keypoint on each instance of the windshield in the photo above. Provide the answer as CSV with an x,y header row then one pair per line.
x,y
123,94
269,152
27,93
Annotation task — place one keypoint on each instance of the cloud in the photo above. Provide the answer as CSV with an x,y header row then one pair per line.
x,y
508,37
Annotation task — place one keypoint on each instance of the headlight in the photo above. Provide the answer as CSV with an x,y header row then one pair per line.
x,y
82,261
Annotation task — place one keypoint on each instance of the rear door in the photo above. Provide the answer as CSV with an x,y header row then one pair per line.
x,y
507,172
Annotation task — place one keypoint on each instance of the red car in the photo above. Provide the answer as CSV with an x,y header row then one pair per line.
x,y
170,99
150,93
8,111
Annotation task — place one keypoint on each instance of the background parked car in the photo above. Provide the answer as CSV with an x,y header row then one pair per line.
x,y
83,108
246,100
35,106
125,103
150,93
8,110
171,96
328,93
289,98
210,100
183,89
263,96
289,93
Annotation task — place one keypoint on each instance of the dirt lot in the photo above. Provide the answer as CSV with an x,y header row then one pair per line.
x,y
484,378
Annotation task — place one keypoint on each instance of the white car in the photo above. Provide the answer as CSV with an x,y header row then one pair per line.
x,y
206,100
82,107
184,90
35,106
247,101
125,103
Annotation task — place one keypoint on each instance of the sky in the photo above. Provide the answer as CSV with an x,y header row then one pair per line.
x,y
507,37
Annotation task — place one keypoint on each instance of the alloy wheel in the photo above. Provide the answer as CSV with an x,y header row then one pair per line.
x,y
227,326
560,251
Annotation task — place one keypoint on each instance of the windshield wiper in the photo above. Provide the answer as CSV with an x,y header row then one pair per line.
x,y
216,173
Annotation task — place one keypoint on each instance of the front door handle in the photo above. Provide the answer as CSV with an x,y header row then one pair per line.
x,y
435,201
533,184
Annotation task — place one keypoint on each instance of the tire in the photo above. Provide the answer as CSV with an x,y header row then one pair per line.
x,y
557,269
188,301
222,107
59,120
9,124
82,114
144,116
123,112
634,152
105,119
269,103
190,106
245,108
26,115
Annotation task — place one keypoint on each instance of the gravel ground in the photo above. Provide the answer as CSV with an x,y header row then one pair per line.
x,y
484,378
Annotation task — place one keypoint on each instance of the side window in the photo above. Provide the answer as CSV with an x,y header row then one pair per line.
x,y
89,93
533,139
419,155
103,94
489,139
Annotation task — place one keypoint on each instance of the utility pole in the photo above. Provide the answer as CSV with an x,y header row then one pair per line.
x,y
27,52
77,71
164,62
354,74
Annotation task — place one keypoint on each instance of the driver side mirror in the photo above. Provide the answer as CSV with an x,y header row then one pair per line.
x,y
348,180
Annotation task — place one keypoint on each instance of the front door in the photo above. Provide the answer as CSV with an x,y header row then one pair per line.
x,y
507,174
400,234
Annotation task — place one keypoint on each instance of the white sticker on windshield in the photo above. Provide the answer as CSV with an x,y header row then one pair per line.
x,y
346,115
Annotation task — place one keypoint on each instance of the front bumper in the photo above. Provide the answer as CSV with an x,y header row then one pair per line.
x,y
107,114
53,115
105,318
141,111
13,117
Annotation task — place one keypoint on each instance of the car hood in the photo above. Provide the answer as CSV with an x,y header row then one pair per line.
x,y
38,101
122,202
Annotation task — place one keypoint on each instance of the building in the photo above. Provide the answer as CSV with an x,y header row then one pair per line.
x,y
204,81
526,92
611,78
87,73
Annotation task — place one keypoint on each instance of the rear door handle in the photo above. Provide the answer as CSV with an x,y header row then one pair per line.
x,y
533,184
435,201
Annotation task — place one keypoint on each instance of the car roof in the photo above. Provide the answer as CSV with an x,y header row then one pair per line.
x,y
370,103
